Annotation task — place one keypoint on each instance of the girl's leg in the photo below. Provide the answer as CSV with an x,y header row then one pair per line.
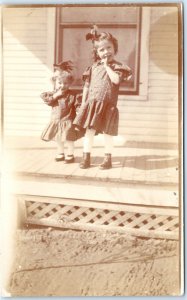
x,y
60,150
108,140
70,152
87,147
107,163
70,147
88,140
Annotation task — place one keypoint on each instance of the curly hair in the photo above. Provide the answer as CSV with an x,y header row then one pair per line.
x,y
63,74
104,36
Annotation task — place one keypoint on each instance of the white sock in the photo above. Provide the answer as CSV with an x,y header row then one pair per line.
x,y
108,140
60,147
88,140
70,147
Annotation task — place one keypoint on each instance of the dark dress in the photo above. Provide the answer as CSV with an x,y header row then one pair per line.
x,y
63,113
100,110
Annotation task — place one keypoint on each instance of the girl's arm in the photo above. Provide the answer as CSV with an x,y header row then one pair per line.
x,y
57,94
50,98
114,77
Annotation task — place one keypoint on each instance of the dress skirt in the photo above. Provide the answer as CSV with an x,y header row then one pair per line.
x,y
99,115
61,130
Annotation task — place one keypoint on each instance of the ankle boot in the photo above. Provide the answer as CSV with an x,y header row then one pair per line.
x,y
85,163
107,162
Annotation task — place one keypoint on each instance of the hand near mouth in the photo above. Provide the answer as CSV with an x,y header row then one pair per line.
x,y
105,60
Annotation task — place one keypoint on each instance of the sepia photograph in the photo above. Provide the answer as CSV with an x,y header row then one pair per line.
x,y
92,150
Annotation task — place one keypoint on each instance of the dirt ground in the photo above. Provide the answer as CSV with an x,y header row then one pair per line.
x,y
51,262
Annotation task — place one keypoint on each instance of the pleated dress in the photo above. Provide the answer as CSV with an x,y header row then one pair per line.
x,y
63,113
100,110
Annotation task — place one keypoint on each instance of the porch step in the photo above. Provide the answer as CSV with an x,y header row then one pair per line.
x,y
105,191
90,205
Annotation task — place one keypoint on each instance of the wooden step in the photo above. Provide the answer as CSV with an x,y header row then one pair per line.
x,y
104,191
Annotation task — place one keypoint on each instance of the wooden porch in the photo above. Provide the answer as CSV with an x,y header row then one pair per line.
x,y
139,195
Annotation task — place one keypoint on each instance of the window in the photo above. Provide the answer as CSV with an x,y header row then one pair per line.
x,y
124,22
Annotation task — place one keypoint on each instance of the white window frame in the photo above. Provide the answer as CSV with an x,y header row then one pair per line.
x,y
144,51
144,59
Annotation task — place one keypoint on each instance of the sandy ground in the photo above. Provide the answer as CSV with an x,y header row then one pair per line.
x,y
52,262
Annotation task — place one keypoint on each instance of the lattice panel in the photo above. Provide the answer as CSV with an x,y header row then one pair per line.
x,y
105,218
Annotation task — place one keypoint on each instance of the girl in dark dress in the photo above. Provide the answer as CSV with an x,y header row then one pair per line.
x,y
99,112
63,103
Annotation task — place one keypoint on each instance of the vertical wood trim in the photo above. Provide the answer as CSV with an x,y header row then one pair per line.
x,y
1,72
138,59
50,37
180,139
144,52
57,33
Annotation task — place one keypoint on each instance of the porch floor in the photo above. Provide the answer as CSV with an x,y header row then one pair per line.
x,y
135,162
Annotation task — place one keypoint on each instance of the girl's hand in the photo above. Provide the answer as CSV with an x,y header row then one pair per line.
x,y
105,61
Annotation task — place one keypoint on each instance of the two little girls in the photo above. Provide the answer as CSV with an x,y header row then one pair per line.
x,y
98,112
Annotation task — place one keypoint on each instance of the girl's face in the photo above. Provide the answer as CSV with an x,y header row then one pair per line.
x,y
105,49
62,83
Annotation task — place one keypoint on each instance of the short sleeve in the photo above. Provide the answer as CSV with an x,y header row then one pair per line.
x,y
124,71
86,75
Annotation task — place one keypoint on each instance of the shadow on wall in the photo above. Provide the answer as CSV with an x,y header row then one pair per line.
x,y
164,42
26,31
25,36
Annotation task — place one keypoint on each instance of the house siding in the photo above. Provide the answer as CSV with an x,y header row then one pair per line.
x,y
26,70
26,73
156,120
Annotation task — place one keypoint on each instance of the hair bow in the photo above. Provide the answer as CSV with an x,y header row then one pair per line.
x,y
65,65
93,34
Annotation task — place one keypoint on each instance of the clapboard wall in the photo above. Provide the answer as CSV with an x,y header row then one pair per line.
x,y
28,38
26,69
157,118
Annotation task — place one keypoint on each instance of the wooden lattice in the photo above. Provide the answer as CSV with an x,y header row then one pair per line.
x,y
81,217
